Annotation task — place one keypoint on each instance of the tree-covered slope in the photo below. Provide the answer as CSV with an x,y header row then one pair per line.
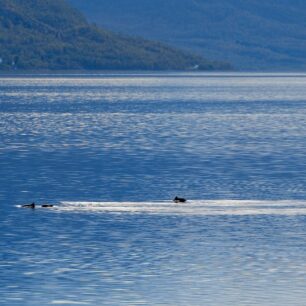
x,y
251,34
50,34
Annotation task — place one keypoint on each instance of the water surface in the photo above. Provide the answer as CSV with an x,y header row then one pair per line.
x,y
111,151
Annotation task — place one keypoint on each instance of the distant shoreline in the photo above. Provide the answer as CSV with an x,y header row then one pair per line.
x,y
128,71
147,73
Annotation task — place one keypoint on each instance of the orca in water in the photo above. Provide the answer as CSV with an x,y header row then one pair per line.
x,y
33,205
29,205
179,200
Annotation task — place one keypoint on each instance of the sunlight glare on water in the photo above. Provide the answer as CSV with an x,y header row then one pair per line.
x,y
111,151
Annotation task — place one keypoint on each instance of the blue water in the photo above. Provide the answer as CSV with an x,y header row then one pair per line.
x,y
110,151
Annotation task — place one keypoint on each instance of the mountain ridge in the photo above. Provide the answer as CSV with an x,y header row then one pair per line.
x,y
252,35
45,34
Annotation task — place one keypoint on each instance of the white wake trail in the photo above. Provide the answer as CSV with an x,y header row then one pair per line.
x,y
195,207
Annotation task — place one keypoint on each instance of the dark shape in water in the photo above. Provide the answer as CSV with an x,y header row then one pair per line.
x,y
46,206
179,200
29,205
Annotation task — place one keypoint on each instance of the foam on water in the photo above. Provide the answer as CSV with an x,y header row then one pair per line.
x,y
194,207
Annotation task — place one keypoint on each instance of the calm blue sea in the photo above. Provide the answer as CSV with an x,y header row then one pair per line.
x,y
110,151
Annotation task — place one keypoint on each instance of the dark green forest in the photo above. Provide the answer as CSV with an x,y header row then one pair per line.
x,y
51,35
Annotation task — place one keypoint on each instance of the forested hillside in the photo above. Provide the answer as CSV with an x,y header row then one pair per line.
x,y
251,34
50,34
